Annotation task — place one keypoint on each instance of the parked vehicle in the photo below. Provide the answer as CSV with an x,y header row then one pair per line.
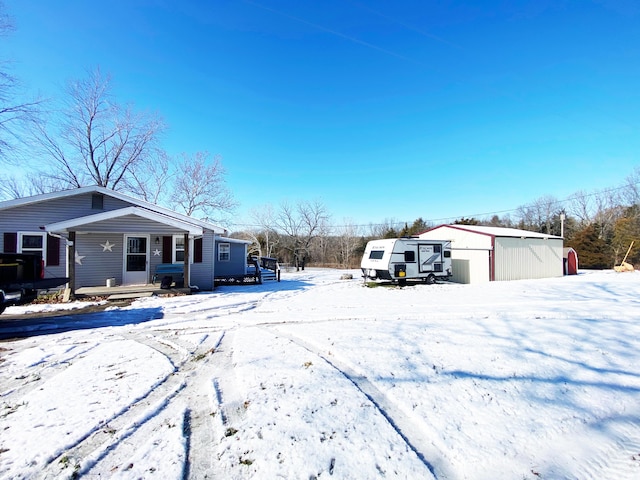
x,y
402,259
21,276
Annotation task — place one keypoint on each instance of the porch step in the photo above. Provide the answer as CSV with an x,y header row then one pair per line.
x,y
127,296
268,275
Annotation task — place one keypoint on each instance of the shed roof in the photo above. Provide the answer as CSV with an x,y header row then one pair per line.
x,y
497,231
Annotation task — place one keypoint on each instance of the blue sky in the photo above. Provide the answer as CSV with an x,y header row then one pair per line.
x,y
380,109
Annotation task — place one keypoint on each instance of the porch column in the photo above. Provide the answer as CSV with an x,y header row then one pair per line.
x,y
70,291
187,273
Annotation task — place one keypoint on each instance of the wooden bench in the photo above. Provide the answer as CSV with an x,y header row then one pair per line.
x,y
173,270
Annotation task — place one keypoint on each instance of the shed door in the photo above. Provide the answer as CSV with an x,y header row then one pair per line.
x,y
136,260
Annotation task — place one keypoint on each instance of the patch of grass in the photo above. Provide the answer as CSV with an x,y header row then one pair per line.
x,y
202,356
229,432
66,462
244,460
381,284
9,409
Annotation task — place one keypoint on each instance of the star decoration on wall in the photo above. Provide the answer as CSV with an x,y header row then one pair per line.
x,y
107,246
156,253
79,258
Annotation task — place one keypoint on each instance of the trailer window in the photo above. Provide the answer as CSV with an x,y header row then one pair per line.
x,y
409,256
447,253
376,254
437,248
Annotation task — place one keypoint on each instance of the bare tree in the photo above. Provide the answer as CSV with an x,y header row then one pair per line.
x,y
97,141
266,236
301,224
348,241
389,227
631,192
581,206
152,181
14,187
539,215
199,186
14,114
607,212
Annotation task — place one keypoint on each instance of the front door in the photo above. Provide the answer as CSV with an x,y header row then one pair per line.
x,y
136,260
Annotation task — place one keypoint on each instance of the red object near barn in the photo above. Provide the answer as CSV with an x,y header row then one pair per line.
x,y
570,261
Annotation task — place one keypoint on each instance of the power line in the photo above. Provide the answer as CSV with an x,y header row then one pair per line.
x,y
475,215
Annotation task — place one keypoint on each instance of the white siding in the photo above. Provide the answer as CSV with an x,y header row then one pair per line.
x,y
461,270
527,255
469,253
477,268
522,258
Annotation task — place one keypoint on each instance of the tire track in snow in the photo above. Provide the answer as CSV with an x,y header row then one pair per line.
x,y
230,403
416,437
188,360
199,422
231,406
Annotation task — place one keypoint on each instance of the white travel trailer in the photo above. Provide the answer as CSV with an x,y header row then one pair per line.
x,y
401,259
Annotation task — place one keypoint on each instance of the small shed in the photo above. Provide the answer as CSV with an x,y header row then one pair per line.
x,y
484,254
570,261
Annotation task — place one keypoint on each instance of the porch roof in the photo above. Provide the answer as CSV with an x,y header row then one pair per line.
x,y
84,223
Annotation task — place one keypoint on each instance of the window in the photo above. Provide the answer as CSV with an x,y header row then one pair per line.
x,y
178,249
409,256
31,243
376,254
224,252
97,201
447,254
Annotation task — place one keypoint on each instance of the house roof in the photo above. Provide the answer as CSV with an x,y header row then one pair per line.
x,y
112,193
497,231
64,226
233,240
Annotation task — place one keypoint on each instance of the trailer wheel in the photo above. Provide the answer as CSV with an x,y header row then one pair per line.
x,y
431,279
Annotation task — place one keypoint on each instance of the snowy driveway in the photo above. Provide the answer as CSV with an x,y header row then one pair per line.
x,y
317,377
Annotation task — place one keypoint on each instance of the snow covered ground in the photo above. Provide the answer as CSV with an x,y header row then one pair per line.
x,y
317,377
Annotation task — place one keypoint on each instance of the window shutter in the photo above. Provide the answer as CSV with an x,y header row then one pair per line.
x,y
197,250
53,251
167,246
10,242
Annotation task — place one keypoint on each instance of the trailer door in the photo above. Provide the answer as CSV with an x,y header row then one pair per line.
x,y
429,258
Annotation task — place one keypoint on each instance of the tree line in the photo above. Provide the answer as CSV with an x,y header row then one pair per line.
x,y
600,226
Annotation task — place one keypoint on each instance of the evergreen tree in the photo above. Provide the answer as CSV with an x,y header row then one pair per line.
x,y
593,251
